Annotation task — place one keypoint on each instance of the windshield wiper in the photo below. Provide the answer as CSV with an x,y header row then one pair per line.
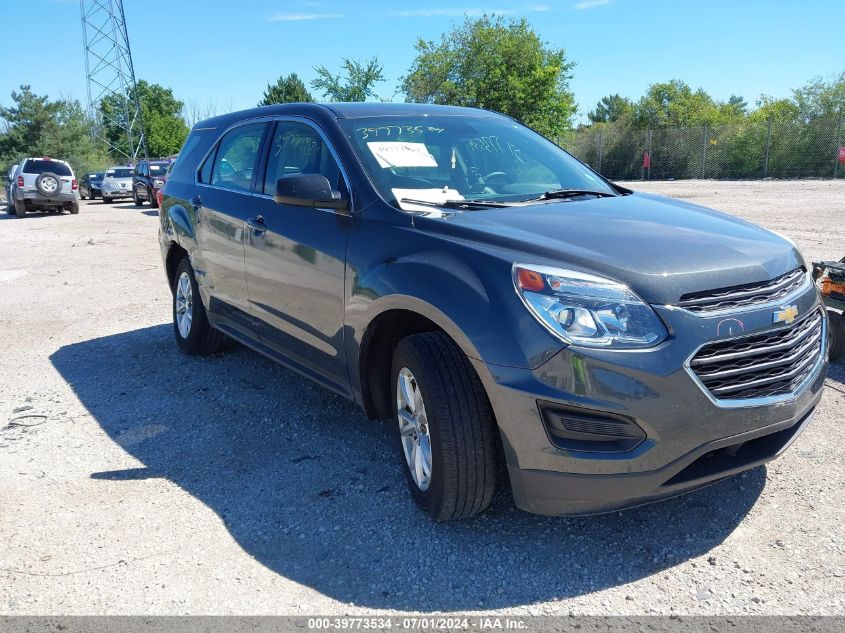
x,y
569,193
458,204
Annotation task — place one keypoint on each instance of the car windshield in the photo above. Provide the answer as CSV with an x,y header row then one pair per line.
x,y
119,173
39,166
440,158
158,170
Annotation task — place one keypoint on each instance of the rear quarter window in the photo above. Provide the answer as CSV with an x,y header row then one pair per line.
x,y
40,166
192,152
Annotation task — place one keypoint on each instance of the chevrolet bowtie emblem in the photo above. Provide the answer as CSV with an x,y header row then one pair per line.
x,y
785,315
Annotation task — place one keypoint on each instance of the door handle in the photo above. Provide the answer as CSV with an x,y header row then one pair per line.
x,y
257,225
196,203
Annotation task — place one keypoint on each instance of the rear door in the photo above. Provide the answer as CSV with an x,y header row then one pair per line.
x,y
223,202
296,259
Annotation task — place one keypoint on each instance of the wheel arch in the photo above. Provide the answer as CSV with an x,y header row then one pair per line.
x,y
400,317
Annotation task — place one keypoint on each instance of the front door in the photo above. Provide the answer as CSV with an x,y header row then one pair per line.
x,y
223,202
295,260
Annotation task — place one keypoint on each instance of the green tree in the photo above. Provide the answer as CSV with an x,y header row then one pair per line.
x,y
498,65
161,114
288,89
28,121
355,83
821,97
674,103
610,109
37,126
734,108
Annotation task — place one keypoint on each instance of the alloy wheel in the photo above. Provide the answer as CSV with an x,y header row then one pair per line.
x,y
184,304
413,428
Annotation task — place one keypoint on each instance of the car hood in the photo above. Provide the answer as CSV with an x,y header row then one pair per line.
x,y
662,248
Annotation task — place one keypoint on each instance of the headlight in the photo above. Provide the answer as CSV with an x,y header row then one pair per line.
x,y
158,183
583,309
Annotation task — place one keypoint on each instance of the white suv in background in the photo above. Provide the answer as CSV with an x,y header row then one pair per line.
x,y
117,183
43,184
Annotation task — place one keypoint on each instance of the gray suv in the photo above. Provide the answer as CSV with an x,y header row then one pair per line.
x,y
522,320
42,184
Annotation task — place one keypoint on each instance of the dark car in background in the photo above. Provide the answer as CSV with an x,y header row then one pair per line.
x,y
147,179
91,186
160,192
502,302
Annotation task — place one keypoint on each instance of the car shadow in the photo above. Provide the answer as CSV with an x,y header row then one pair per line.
x,y
313,491
31,215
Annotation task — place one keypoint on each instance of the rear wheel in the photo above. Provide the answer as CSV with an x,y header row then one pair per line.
x,y
20,208
153,199
74,208
194,334
138,202
447,432
106,200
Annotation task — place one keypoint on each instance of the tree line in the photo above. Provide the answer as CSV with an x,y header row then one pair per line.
x,y
673,131
488,62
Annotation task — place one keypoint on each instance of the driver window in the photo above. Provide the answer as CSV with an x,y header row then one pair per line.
x,y
237,156
298,149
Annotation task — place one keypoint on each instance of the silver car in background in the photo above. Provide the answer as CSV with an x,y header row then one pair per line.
x,y
117,183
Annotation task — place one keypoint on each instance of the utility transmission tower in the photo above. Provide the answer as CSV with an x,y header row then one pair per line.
x,y
112,96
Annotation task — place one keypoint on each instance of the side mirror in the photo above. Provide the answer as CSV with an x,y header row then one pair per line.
x,y
308,190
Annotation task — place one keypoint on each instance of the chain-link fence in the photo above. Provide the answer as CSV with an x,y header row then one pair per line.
x,y
742,150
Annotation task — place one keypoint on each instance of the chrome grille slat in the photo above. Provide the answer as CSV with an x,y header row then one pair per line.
x,y
771,363
746,295
769,379
764,365
793,336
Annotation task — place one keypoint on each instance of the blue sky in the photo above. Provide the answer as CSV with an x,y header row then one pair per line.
x,y
210,51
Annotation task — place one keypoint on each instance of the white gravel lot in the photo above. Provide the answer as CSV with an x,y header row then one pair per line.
x,y
134,480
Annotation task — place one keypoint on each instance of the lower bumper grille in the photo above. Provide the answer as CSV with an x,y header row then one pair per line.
x,y
762,365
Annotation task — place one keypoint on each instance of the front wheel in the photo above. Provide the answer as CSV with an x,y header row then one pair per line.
x,y
446,427
136,199
194,334
106,200
153,199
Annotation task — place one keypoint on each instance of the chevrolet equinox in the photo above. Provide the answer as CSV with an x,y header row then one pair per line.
x,y
502,302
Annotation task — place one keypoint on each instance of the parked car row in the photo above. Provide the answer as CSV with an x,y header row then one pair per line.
x,y
50,185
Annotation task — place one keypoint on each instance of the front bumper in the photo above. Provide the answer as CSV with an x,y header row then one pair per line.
x,y
690,440
116,192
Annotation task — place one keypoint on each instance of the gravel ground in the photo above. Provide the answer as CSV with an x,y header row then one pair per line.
x,y
134,480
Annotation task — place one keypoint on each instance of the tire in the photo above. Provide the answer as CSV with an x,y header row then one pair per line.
x,y
199,338
48,184
138,202
74,208
107,200
153,200
458,423
836,322
82,196
20,208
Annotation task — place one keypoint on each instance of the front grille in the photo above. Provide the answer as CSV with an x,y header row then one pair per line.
x,y
746,295
762,365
